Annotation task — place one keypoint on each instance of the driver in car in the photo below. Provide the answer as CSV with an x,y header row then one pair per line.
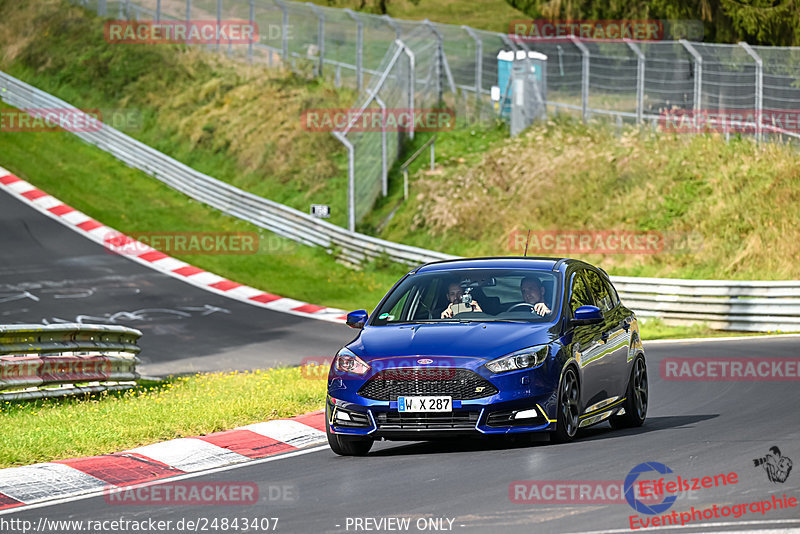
x,y
454,294
533,293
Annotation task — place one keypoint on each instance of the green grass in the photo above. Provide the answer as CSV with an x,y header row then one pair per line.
x,y
491,15
53,429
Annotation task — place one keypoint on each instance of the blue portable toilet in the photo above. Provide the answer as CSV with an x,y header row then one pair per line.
x,y
505,64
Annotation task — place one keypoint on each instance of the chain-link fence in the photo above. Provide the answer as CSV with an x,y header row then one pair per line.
x,y
677,86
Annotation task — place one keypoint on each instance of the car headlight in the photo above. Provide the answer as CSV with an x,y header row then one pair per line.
x,y
521,359
347,362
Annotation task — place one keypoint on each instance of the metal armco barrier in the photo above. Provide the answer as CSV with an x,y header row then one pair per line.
x,y
728,305
352,247
756,306
45,361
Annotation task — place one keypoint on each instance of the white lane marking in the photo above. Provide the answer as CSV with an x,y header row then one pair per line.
x,y
707,525
20,187
285,304
288,431
168,264
710,339
165,480
188,454
47,202
38,482
244,292
73,218
206,278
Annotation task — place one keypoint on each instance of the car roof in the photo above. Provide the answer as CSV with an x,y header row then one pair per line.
x,y
538,263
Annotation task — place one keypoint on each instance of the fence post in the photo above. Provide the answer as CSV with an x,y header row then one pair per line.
x,y
351,180
219,21
478,68
584,76
384,153
759,86
284,32
442,68
639,80
101,8
320,36
412,80
359,48
698,73
252,30
188,18
158,10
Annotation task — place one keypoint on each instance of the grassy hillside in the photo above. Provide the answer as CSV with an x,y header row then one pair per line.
x,y
492,15
734,202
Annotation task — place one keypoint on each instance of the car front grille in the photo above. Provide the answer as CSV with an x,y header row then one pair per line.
x,y
457,420
460,384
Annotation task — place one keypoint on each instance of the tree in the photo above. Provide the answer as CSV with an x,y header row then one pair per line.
x,y
767,22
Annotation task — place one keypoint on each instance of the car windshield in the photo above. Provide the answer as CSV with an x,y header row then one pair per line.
x,y
472,295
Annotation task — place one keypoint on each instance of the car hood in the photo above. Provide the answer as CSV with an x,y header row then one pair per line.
x,y
481,340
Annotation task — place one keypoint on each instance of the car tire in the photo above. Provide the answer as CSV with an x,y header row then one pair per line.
x,y
568,417
637,396
348,445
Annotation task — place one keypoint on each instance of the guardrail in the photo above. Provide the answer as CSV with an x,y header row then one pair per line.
x,y
728,305
351,247
755,306
39,361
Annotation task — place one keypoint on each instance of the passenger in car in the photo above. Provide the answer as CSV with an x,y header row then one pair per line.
x,y
533,293
454,294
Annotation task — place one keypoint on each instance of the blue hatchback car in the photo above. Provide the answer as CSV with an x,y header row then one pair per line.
x,y
488,346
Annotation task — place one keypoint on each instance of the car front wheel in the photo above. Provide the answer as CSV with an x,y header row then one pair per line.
x,y
568,408
348,445
637,397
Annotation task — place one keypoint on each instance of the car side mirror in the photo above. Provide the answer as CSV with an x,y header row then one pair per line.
x,y
357,319
586,315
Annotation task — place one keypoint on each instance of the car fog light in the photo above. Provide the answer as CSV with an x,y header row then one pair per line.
x,y
526,414
343,416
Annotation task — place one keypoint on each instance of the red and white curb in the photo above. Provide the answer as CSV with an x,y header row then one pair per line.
x,y
155,259
32,484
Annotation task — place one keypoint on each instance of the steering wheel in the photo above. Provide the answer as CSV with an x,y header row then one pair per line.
x,y
529,305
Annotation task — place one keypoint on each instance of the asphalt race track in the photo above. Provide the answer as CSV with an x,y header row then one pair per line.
x,y
49,273
696,428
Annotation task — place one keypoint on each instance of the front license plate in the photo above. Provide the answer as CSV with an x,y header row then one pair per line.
x,y
425,404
